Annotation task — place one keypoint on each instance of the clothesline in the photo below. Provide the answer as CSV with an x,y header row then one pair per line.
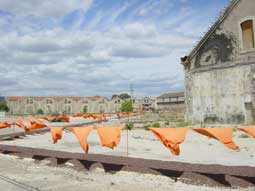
x,y
110,136
170,137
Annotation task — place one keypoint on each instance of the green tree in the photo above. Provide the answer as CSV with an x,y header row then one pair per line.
x,y
129,126
124,96
3,106
85,109
40,111
126,106
115,96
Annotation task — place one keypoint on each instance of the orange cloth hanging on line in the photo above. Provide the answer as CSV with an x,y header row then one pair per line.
x,y
31,121
62,118
223,135
248,130
20,124
170,137
56,133
5,125
36,125
82,134
109,136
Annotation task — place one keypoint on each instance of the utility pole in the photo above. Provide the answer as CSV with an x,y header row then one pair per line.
x,y
131,87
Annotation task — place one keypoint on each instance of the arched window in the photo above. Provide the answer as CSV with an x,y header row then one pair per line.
x,y
247,35
67,101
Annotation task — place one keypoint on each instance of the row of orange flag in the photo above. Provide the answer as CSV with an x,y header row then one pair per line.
x,y
109,136
171,138
40,123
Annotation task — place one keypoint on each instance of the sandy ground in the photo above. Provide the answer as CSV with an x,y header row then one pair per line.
x,y
143,144
24,174
21,175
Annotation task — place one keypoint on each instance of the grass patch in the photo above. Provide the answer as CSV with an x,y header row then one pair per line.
x,y
146,127
183,123
129,126
156,125
244,136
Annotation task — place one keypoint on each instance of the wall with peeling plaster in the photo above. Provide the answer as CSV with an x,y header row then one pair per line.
x,y
220,82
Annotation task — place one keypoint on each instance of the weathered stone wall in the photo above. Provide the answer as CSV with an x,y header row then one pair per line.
x,y
219,82
71,105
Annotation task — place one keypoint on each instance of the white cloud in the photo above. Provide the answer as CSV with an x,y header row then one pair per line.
x,y
43,8
38,57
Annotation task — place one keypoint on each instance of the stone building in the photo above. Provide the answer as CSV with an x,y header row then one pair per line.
x,y
58,104
220,70
69,105
170,101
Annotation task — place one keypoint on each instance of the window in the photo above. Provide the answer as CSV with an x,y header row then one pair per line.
x,y
48,101
67,101
247,35
29,101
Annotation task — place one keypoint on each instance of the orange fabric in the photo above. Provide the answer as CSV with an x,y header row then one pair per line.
x,y
34,125
77,115
31,121
20,124
223,135
5,125
37,125
248,130
170,137
82,134
62,117
109,136
56,134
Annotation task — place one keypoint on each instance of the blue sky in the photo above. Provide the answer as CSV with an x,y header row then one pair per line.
x,y
99,47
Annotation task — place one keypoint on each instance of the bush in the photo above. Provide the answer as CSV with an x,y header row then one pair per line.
x,y
3,106
129,126
126,106
146,127
156,125
57,120
40,112
183,123
85,110
167,123
244,136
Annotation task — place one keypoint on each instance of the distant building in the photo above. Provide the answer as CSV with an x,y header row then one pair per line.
x,y
148,103
59,104
171,101
69,105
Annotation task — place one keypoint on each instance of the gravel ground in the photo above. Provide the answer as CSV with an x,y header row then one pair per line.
x,y
21,175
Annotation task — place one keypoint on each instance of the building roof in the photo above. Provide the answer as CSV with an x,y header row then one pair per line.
x,y
167,95
38,98
227,10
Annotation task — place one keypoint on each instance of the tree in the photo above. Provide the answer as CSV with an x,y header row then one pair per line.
x,y
115,96
40,112
3,106
124,96
126,106
85,110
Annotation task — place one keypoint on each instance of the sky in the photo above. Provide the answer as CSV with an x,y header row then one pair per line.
x,y
99,47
